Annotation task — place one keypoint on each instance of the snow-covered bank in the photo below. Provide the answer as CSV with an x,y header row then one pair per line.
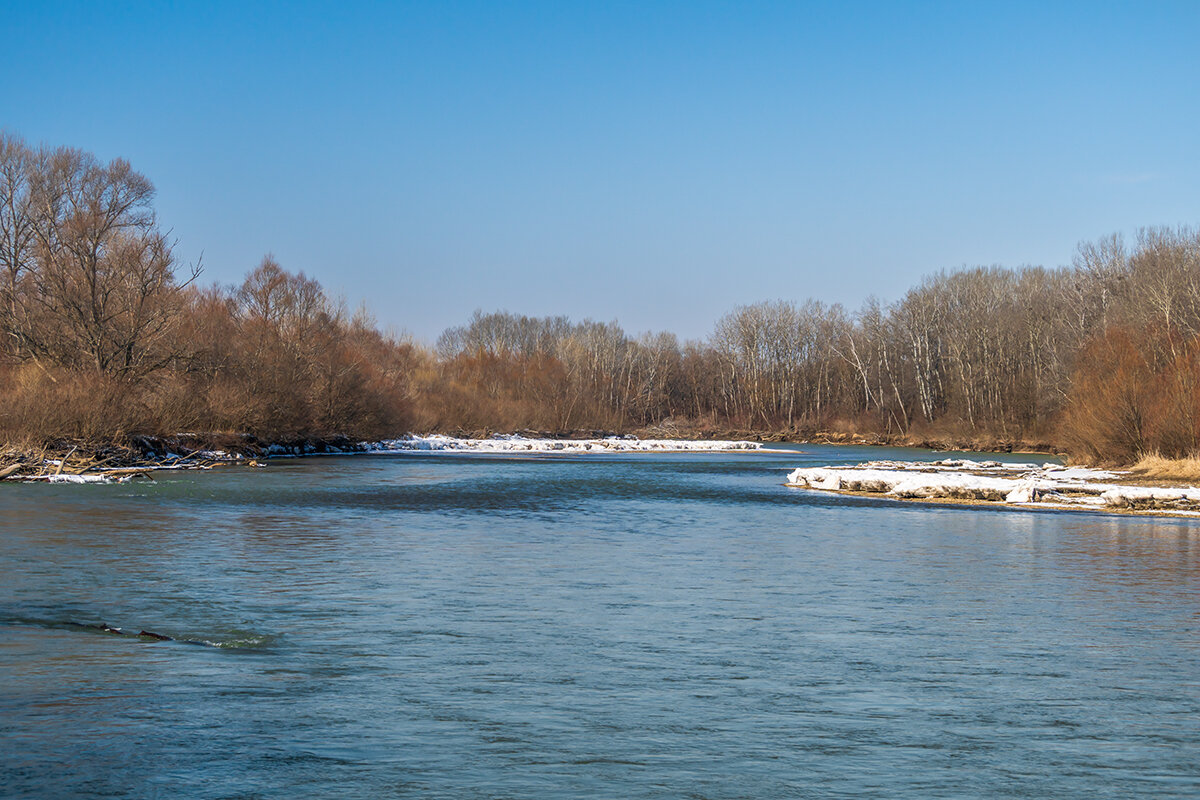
x,y
172,454
1028,485
520,444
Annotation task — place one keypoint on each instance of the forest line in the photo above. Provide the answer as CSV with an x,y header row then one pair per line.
x,y
106,337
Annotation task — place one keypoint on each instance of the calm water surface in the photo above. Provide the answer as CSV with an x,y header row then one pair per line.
x,y
603,626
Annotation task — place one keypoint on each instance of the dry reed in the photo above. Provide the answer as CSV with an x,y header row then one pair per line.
x,y
1153,465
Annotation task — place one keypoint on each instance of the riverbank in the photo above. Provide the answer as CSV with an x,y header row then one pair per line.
x,y
72,461
1006,485
126,457
927,440
141,456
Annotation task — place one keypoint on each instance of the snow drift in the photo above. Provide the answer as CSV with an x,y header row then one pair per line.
x,y
521,444
1047,485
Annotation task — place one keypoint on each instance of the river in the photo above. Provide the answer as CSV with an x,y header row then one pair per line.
x,y
643,626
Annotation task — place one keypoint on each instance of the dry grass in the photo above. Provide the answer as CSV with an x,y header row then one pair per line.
x,y
1153,465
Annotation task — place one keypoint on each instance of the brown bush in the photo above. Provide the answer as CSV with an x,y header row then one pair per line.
x,y
1135,393
1111,400
43,405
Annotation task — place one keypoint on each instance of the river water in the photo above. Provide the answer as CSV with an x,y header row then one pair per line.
x,y
594,626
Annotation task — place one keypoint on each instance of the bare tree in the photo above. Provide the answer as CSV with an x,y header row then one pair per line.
x,y
104,290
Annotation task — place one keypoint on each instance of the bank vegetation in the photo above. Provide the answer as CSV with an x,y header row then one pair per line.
x,y
106,337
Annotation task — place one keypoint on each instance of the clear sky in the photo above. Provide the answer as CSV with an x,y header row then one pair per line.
x,y
654,163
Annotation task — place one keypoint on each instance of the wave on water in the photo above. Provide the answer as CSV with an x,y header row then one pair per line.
x,y
521,444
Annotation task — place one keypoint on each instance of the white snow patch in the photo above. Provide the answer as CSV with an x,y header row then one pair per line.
x,y
521,444
98,478
1048,485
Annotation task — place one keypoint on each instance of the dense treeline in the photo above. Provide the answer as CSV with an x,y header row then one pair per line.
x,y
105,336
1102,357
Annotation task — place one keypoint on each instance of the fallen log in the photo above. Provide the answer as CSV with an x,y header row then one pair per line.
x,y
130,471
63,461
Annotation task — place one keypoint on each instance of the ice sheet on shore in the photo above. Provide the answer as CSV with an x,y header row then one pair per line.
x,y
69,478
1048,485
521,444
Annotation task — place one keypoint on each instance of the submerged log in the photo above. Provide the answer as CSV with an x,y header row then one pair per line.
x,y
106,628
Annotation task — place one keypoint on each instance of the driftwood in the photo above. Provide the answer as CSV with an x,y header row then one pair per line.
x,y
63,461
89,464
118,461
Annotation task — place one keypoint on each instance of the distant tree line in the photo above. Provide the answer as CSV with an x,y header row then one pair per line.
x,y
1102,357
106,336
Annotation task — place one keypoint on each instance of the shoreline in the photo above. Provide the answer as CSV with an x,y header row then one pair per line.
x,y
1005,507
935,442
141,456
207,450
1005,486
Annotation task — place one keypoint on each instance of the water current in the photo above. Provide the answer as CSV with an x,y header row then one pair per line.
x,y
643,626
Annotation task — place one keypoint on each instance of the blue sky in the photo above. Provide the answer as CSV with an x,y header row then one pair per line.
x,y
654,163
